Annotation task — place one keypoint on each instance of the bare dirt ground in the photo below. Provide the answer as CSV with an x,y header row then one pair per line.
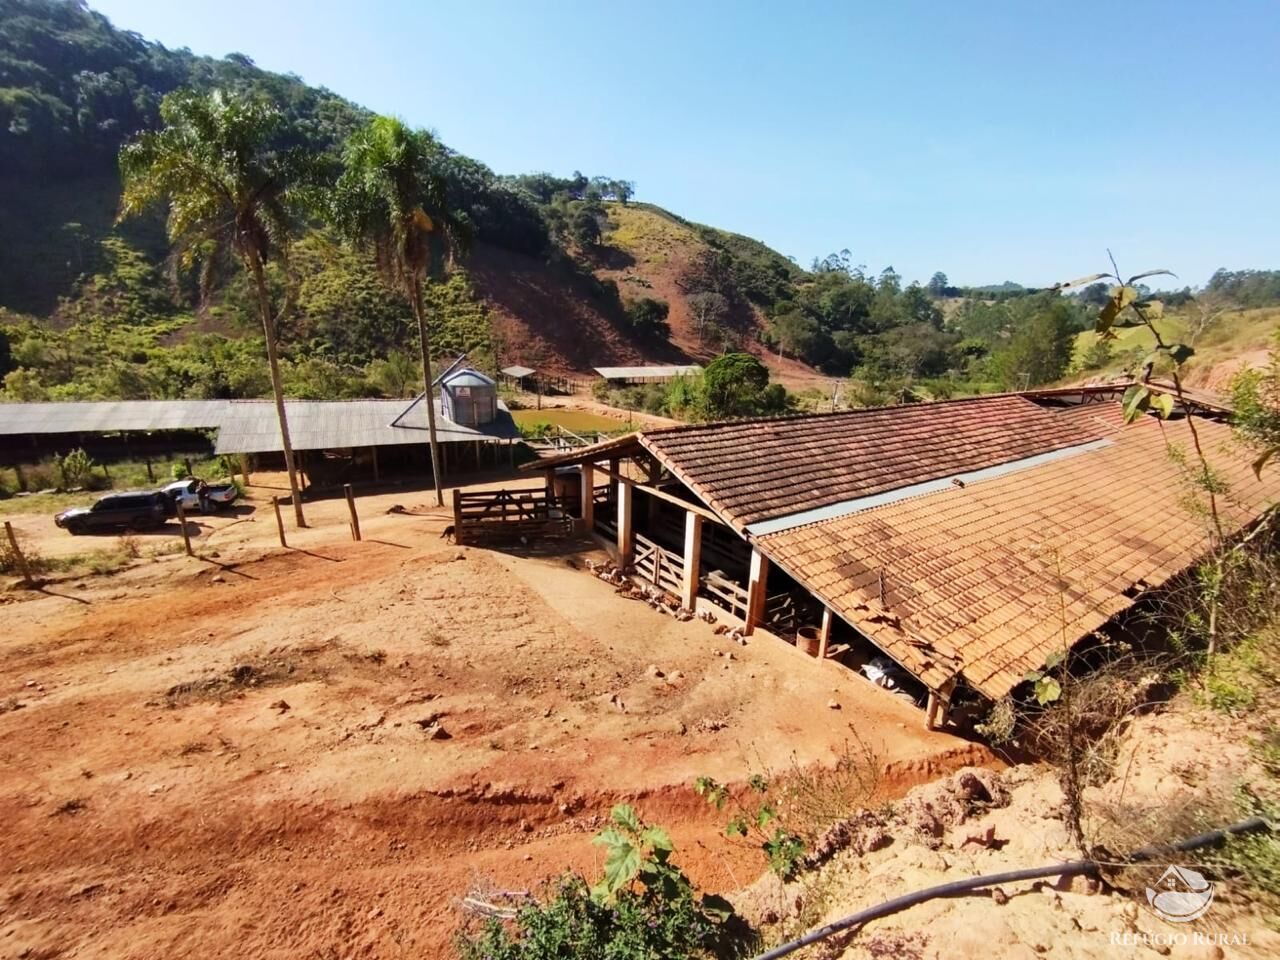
x,y
314,752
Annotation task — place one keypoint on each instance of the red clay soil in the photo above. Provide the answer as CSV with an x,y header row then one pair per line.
x,y
241,755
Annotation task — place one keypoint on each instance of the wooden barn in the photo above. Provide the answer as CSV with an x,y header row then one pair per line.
x,y
958,539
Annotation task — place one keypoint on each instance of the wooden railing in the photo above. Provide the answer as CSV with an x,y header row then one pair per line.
x,y
657,565
730,593
495,514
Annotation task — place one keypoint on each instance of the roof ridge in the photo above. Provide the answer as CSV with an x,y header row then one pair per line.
x,y
834,414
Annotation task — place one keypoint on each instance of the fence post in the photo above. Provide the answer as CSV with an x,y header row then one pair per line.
x,y
17,555
457,515
275,502
351,505
186,537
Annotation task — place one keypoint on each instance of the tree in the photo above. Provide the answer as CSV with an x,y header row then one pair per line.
x,y
232,195
392,197
648,318
709,308
937,285
1041,348
737,385
1255,394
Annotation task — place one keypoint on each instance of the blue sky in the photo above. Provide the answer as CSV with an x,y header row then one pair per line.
x,y
988,140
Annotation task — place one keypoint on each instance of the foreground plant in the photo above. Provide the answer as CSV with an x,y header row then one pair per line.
x,y
643,908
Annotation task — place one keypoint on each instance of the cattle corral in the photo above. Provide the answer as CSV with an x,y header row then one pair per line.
x,y
279,751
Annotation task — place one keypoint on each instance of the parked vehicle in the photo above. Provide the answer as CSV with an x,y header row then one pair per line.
x,y
194,494
131,510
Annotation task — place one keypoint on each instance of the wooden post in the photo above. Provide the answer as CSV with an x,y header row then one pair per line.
x,y
22,481
757,585
150,476
457,515
588,497
351,505
244,469
549,476
511,454
186,537
626,534
936,710
275,502
824,638
692,560
17,555
376,477
187,462
105,472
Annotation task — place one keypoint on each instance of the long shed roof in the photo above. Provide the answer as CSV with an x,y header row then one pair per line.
x,y
754,470
955,534
109,416
656,372
986,579
250,426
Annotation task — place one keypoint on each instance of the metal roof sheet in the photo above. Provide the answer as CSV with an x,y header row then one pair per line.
x,y
641,373
251,425
519,372
110,416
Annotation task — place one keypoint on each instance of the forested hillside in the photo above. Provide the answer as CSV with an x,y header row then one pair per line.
x,y
562,273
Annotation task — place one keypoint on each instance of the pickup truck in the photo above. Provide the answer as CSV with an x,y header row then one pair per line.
x,y
196,495
132,510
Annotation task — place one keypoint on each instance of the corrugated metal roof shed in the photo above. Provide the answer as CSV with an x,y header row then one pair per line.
x,y
519,372
250,426
647,373
110,416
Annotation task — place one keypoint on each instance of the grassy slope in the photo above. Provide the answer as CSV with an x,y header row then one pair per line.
x,y
1236,340
650,249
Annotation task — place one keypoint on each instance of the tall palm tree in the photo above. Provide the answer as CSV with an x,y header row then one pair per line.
x,y
392,197
231,197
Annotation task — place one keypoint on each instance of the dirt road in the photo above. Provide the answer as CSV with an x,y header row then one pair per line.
x,y
315,752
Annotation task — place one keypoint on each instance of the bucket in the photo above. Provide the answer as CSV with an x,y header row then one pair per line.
x,y
809,639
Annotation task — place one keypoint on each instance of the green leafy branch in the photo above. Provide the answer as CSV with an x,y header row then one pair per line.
x,y
758,821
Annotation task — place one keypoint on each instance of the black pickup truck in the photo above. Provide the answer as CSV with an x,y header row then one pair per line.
x,y
133,510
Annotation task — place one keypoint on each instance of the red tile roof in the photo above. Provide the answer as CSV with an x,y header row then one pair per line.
x,y
987,579
752,470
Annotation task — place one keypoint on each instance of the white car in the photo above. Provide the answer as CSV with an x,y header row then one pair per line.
x,y
196,495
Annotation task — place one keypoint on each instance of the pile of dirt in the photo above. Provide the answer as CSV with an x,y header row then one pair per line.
x,y
978,822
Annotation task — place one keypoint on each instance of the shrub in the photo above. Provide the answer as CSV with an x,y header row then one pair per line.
x,y
643,909
75,468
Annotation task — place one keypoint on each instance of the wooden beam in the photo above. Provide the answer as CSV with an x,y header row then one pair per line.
x,y
626,533
374,450
588,497
17,555
186,537
275,502
457,515
351,506
661,495
824,637
757,590
692,560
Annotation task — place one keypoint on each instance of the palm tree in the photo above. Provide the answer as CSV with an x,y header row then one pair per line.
x,y
231,196
392,197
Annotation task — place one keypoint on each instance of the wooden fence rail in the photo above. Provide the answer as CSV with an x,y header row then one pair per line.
x,y
658,566
506,514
